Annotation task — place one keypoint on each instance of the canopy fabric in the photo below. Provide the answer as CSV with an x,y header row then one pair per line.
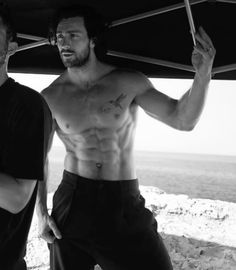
x,y
164,36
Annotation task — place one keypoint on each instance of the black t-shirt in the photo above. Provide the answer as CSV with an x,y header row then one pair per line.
x,y
25,126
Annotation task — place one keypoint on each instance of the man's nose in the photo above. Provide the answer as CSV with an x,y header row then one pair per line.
x,y
65,46
65,43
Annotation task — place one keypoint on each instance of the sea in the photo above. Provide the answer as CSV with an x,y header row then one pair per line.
x,y
196,175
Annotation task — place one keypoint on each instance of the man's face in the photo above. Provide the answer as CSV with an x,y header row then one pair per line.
x,y
3,43
73,42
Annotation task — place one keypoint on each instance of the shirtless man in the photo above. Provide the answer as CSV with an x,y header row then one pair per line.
x,y
99,216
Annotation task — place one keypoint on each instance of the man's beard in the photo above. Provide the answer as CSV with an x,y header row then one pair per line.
x,y
77,60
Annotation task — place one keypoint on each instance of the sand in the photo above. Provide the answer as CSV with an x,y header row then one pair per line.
x,y
199,234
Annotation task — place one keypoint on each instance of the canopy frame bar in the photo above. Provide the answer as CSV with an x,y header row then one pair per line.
x,y
164,63
153,13
150,60
33,45
30,37
224,68
227,1
40,41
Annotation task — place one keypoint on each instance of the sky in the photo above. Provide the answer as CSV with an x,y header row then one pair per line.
x,y
214,134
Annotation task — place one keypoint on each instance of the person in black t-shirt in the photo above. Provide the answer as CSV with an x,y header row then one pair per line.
x,y
25,127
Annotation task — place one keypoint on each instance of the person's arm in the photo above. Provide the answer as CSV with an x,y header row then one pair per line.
x,y
21,156
41,203
15,193
183,114
47,227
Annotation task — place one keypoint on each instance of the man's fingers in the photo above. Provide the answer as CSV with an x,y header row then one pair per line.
x,y
201,41
204,40
54,228
204,45
49,237
205,36
201,51
49,231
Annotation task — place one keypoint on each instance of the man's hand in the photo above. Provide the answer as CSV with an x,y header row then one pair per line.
x,y
203,54
48,229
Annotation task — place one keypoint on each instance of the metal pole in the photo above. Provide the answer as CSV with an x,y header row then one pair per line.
x,y
227,1
191,22
224,69
30,37
33,45
153,13
150,60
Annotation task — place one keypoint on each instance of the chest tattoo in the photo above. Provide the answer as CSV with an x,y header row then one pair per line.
x,y
113,104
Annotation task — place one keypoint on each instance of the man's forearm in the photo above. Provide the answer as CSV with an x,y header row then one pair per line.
x,y
41,205
190,106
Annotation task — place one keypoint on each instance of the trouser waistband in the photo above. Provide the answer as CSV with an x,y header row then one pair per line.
x,y
78,182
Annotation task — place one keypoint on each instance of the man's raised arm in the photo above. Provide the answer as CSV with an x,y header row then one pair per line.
x,y
183,114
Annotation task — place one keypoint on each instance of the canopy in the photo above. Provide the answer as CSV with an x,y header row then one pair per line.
x,y
152,36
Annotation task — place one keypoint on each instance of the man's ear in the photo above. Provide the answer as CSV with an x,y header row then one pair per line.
x,y
93,42
12,47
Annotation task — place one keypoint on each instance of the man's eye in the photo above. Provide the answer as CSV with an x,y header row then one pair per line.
x,y
74,35
59,37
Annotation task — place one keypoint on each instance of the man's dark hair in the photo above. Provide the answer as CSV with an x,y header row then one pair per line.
x,y
94,23
5,16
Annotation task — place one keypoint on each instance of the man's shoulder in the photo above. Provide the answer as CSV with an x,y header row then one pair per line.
x,y
25,100
126,73
26,94
129,75
23,89
54,86
133,79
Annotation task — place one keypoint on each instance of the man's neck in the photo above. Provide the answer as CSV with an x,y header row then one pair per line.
x,y
87,75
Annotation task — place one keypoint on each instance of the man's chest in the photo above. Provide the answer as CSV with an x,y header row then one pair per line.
x,y
98,107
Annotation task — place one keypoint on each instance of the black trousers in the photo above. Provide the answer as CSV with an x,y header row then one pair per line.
x,y
19,265
14,229
105,223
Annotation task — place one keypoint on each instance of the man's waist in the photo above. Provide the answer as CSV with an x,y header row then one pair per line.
x,y
101,170
78,181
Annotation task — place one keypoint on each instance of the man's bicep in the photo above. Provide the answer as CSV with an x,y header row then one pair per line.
x,y
157,104
26,186
26,189
15,193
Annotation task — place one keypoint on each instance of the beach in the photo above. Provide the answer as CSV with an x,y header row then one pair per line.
x,y
192,200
